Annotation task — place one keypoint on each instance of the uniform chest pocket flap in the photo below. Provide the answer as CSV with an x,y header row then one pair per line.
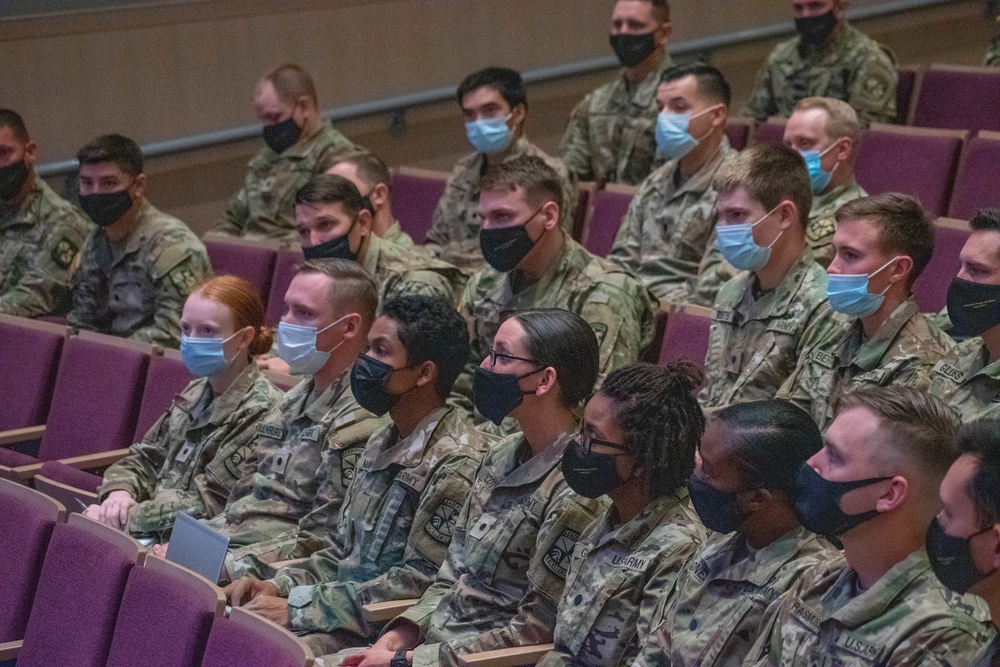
x,y
501,553
384,522
589,616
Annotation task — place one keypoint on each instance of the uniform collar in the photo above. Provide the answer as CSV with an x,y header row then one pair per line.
x,y
225,405
372,253
631,534
778,301
871,351
538,466
883,595
569,254
319,408
19,216
701,180
301,148
764,565
644,93
408,452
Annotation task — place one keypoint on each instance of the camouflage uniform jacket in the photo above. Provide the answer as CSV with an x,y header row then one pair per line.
x,y
721,596
852,67
394,529
137,290
264,208
189,461
989,656
666,230
617,577
902,352
38,243
906,618
300,466
454,233
755,341
967,381
508,559
609,138
395,234
400,271
822,221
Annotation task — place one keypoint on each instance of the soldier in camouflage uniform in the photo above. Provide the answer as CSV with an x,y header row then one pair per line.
x,y
137,268
513,541
764,316
610,135
712,617
487,97
887,341
992,58
891,446
300,144
189,460
628,560
663,235
410,484
829,58
371,175
40,233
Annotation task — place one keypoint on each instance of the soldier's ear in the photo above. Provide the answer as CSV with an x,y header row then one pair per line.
x,y
30,153
365,221
664,32
517,115
428,373
139,185
379,195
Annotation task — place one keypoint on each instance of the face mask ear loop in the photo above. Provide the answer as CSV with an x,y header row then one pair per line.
x,y
882,293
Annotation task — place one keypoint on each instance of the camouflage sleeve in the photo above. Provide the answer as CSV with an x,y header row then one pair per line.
x,y
461,393
440,232
873,90
992,58
766,648
761,104
172,289
628,240
237,215
574,149
90,289
795,389
661,585
622,332
157,515
939,646
136,472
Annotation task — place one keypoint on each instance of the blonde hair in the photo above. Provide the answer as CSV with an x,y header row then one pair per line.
x,y
841,118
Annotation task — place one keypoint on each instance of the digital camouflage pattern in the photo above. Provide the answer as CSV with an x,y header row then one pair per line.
x,y
454,232
852,67
902,353
38,242
823,222
967,381
906,618
264,208
988,656
610,135
508,559
396,235
756,339
189,461
138,289
400,271
618,575
666,230
721,596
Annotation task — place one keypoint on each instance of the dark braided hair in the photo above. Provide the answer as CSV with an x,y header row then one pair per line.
x,y
660,417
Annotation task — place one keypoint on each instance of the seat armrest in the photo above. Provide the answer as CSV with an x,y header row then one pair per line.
x,y
19,435
10,650
96,460
506,657
386,611
20,473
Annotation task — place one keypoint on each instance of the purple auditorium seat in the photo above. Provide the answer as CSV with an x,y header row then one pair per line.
x,y
911,160
651,354
246,640
79,591
285,266
165,617
415,194
738,131
252,261
978,182
771,132
906,84
931,288
686,335
610,206
29,357
585,195
959,98
26,521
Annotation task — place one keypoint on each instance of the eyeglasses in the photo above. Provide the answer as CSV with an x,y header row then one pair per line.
x,y
494,355
587,441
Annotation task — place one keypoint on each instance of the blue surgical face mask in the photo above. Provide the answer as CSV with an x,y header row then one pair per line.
x,y
490,135
738,247
204,357
819,178
848,293
673,141
297,347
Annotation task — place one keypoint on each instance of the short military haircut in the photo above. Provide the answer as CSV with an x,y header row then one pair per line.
x,y
712,85
564,341
540,182
770,174
505,81
982,440
918,428
370,167
841,118
13,121
904,227
352,290
986,220
291,82
661,9
113,148
331,189
431,330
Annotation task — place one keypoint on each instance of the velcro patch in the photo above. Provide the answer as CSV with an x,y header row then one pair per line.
x,y
878,376
805,616
442,523
312,433
824,358
557,558
634,563
183,279
348,464
951,372
235,461
64,252
600,330
724,316
858,647
784,326
271,431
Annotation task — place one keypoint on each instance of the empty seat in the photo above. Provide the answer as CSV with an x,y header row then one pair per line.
x,y
246,640
26,521
252,261
610,206
906,84
960,98
914,161
738,131
977,184
285,266
686,335
931,288
771,132
165,617
415,195
29,357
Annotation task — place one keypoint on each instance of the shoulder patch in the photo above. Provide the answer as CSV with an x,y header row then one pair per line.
x,y
557,558
600,330
64,253
183,279
348,464
235,461
442,522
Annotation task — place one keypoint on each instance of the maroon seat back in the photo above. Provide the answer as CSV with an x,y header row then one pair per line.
x,y
415,195
960,98
165,617
914,161
29,357
250,261
977,184
738,131
76,603
610,206
585,194
931,288
245,640
167,376
652,353
26,521
686,336
285,266
771,132
906,84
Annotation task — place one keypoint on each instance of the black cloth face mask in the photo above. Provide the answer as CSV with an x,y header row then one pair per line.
x,y
588,473
339,247
495,395
12,178
279,137
504,248
951,558
633,49
107,208
369,378
815,30
717,509
973,308
817,502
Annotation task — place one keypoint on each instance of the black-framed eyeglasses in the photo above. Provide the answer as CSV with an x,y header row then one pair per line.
x,y
588,441
494,355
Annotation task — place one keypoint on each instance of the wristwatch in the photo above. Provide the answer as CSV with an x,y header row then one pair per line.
x,y
399,660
